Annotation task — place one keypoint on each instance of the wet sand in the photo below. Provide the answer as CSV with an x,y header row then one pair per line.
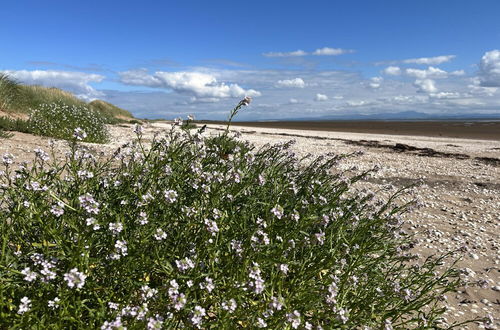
x,y
481,130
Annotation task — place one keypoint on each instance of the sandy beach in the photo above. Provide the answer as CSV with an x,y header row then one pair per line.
x,y
457,184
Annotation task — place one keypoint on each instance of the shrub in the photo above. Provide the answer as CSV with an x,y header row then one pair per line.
x,y
187,233
59,120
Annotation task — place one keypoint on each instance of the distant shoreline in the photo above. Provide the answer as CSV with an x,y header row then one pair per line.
x,y
462,129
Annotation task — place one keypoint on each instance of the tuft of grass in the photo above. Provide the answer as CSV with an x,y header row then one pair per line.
x,y
196,231
9,91
59,120
19,125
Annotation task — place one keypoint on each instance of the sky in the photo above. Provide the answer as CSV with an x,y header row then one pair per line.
x,y
296,59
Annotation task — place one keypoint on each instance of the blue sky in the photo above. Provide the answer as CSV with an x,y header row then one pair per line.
x,y
162,59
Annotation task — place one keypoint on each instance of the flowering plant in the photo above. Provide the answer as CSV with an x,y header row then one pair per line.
x,y
173,235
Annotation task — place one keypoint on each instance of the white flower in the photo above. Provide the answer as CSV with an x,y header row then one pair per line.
x,y
277,211
115,227
230,306
7,159
137,129
320,238
160,234
284,268
54,303
75,278
198,314
39,153
24,306
184,264
170,196
246,101
155,323
79,134
294,319
261,323
29,275
212,227
209,284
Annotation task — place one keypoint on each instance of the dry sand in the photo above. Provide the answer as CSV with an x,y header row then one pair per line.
x,y
459,190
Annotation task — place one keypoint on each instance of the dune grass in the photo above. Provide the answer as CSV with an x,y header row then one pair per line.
x,y
54,112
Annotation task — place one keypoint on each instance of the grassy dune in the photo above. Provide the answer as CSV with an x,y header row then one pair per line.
x,y
19,103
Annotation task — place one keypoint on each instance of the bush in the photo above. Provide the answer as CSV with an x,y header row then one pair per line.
x,y
186,233
59,120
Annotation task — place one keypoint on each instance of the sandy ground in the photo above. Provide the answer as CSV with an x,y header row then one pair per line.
x,y
459,187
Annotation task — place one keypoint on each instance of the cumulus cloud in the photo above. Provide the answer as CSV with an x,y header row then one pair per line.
x,y
392,70
425,85
445,95
298,52
375,82
327,51
430,60
489,69
430,72
74,82
198,84
320,97
291,83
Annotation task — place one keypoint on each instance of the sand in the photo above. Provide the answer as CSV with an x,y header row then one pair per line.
x,y
459,189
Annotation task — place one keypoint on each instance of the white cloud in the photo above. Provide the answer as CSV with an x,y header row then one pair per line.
x,y
392,70
74,82
293,101
430,60
330,51
445,95
375,82
430,72
425,85
325,51
489,69
457,73
294,83
201,85
286,54
320,97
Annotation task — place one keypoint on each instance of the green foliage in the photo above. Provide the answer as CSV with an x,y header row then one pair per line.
x,y
59,120
195,231
31,97
9,90
19,125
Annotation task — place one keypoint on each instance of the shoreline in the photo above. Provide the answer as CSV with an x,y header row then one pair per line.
x,y
463,129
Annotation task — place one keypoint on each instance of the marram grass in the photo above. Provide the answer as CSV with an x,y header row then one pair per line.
x,y
195,231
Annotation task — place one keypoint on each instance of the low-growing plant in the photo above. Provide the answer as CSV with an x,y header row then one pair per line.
x,y
59,120
18,125
178,234
4,134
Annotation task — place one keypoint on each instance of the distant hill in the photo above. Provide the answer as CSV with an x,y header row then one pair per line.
x,y
404,115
